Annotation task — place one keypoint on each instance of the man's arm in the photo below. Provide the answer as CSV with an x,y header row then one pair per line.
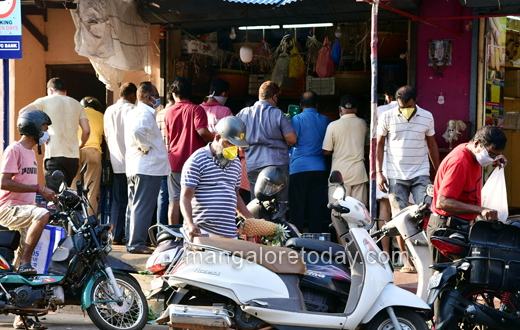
x,y
205,134
186,209
7,183
29,107
327,152
85,131
382,183
290,138
453,206
433,151
242,208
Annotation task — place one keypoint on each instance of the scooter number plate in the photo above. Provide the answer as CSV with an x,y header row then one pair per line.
x,y
435,280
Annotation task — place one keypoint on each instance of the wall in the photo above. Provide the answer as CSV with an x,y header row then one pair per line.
x,y
455,85
28,76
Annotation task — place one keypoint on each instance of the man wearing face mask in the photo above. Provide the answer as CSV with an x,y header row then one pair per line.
x,y
458,183
210,183
214,106
146,164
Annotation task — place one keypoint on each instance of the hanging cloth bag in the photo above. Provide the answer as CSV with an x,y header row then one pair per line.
x,y
325,66
297,66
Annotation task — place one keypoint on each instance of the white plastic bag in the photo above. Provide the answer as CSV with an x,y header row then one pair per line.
x,y
494,194
48,242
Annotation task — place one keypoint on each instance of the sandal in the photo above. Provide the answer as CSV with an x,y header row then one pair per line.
x,y
27,269
31,324
409,269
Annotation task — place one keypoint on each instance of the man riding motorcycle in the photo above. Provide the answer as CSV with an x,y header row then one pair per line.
x,y
457,202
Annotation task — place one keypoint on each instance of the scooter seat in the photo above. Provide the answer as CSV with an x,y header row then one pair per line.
x,y
279,260
9,239
308,244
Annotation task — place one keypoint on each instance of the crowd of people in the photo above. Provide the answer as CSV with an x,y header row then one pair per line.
x,y
201,161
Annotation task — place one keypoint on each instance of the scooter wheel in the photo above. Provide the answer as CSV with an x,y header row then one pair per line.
x,y
408,320
130,314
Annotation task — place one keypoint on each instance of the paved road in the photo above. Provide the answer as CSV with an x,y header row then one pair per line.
x,y
66,321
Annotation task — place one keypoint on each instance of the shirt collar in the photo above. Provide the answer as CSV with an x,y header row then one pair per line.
x,y
124,101
211,104
147,107
310,110
349,115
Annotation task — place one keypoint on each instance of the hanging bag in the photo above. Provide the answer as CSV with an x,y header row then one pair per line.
x,y
297,67
494,194
325,66
335,55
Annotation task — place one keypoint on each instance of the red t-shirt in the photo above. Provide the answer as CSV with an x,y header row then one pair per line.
x,y
182,121
459,177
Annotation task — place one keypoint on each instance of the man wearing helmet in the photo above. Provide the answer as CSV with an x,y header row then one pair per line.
x,y
19,185
210,183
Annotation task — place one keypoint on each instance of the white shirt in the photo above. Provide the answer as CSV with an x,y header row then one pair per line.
x,y
141,131
407,151
114,123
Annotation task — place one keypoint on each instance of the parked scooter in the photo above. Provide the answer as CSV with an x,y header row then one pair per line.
x,y
80,272
222,283
481,289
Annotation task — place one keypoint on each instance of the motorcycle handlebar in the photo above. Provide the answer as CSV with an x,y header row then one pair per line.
x,y
339,208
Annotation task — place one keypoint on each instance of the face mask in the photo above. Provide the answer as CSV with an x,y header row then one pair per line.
x,y
44,138
157,103
221,99
220,156
230,152
483,157
407,112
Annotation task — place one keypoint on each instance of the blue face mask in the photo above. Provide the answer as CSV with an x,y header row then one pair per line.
x,y
157,103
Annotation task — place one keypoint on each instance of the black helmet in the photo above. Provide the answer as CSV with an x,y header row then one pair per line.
x,y
91,102
233,129
270,183
30,123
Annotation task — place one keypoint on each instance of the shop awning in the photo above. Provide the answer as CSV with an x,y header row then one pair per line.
x,y
264,2
201,14
493,7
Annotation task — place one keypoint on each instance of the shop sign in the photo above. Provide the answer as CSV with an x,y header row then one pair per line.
x,y
10,29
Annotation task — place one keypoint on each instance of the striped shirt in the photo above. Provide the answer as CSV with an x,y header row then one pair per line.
x,y
214,202
407,151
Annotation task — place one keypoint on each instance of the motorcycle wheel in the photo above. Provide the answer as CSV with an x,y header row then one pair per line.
x,y
131,314
408,320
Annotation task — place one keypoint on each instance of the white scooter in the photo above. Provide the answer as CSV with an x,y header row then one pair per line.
x,y
223,283
408,223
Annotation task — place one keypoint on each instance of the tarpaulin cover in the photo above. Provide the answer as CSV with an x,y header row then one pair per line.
x,y
113,36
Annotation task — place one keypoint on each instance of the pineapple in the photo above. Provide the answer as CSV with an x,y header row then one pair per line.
x,y
259,227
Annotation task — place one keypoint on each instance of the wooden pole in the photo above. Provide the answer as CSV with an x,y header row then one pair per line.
x,y
373,107
481,81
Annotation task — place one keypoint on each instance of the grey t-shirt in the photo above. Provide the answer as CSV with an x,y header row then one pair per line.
x,y
265,127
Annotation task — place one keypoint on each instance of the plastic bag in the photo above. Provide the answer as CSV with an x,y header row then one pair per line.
x,y
297,67
48,242
335,55
325,66
494,194
280,75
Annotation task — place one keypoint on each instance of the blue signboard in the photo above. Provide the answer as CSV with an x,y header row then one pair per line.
x,y
10,29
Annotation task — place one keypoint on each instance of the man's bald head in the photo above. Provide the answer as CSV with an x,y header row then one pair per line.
x,y
309,100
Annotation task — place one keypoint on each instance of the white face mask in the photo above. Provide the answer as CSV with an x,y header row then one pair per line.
x,y
483,157
44,138
221,99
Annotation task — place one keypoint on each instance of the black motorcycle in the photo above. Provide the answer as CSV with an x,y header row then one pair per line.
x,y
481,288
81,272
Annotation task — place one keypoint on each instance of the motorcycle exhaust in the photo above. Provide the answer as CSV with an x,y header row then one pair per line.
x,y
197,317
484,315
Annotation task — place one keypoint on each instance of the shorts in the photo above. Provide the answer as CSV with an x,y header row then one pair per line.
x,y
20,217
400,191
174,186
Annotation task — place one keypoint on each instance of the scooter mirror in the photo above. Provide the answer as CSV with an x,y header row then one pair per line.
x,y
336,178
429,190
57,176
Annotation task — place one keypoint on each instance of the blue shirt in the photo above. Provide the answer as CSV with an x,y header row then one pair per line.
x,y
265,127
310,128
214,202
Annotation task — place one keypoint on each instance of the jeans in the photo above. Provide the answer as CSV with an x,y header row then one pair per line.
x,y
308,196
143,191
118,208
400,191
163,202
